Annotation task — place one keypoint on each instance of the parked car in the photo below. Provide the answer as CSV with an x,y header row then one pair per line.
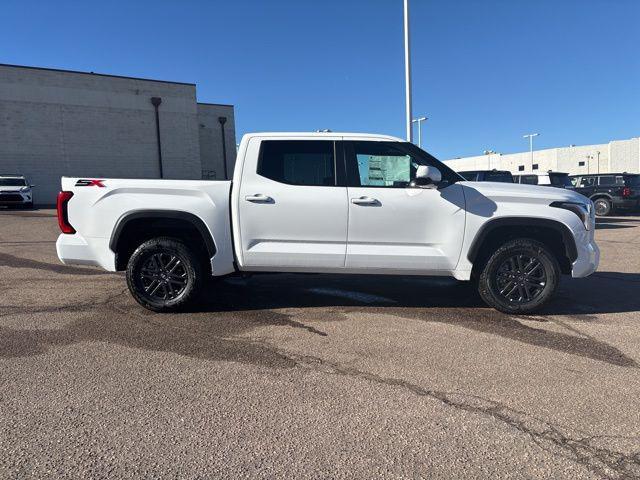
x,y
549,179
609,191
328,203
488,176
15,191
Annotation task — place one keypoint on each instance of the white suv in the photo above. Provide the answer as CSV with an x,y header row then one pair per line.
x,y
15,191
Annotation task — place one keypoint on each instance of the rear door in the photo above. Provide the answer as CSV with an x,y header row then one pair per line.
x,y
292,214
394,227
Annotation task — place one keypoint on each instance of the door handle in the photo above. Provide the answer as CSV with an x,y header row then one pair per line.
x,y
365,201
258,198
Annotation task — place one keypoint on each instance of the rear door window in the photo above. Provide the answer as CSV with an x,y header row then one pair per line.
x,y
298,162
607,180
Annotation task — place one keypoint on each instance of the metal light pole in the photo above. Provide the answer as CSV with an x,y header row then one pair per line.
x,y
530,137
589,158
419,122
488,153
407,71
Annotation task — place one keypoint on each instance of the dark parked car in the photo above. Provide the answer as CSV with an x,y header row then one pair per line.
x,y
488,176
609,191
549,179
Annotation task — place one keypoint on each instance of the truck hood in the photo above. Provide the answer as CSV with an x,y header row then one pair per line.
x,y
519,193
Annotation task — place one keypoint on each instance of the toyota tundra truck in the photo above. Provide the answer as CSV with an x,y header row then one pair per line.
x,y
328,203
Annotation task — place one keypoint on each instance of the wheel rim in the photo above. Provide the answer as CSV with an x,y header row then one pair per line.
x,y
601,207
163,276
520,279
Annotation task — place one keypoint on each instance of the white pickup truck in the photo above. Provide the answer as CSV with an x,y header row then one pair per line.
x,y
328,203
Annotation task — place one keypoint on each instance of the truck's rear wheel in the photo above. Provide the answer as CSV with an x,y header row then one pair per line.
x,y
164,274
520,277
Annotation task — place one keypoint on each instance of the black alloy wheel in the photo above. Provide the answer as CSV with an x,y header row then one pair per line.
x,y
165,274
519,277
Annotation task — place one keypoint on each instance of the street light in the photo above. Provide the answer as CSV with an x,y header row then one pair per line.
x,y
419,122
488,153
530,137
407,71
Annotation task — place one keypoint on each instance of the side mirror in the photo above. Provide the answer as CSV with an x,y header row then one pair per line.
x,y
32,186
426,175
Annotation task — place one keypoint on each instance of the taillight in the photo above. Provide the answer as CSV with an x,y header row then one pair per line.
x,y
626,192
63,214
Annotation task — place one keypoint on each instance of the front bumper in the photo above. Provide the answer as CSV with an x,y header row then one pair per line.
x,y
588,255
77,250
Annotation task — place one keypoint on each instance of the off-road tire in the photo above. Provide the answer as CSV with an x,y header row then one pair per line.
x,y
496,274
189,274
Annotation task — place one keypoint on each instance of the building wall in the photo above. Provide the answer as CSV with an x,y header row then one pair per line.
x,y
210,135
59,123
615,156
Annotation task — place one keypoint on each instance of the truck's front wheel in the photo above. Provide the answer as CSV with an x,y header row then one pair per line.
x,y
520,277
164,274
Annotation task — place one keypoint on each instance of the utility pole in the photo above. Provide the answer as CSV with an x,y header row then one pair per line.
x,y
530,137
589,158
407,71
488,153
419,122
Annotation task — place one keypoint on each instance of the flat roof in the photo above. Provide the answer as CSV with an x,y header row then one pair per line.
x,y
215,104
93,73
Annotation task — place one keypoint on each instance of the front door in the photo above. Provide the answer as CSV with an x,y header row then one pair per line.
x,y
292,215
394,226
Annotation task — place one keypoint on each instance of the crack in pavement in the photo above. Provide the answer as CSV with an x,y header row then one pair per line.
x,y
607,463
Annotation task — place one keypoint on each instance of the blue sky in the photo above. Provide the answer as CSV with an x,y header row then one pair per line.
x,y
484,72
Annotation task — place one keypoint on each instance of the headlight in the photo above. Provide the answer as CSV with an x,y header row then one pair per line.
x,y
25,189
582,210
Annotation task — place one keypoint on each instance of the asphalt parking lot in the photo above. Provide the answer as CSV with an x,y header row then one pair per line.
x,y
314,376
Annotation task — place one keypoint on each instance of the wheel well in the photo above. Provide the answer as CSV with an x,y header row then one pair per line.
x,y
132,232
551,237
600,195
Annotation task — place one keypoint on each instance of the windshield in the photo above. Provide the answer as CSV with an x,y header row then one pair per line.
x,y
12,182
632,180
560,180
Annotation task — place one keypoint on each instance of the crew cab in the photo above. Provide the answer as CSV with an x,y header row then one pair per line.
x,y
328,203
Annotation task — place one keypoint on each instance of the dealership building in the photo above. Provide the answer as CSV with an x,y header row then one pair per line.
x,y
56,123
613,157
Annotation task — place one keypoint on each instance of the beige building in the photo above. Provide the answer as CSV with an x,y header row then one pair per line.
x,y
615,156
56,123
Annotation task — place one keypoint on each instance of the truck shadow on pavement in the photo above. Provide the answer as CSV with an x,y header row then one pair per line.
x,y
215,329
442,301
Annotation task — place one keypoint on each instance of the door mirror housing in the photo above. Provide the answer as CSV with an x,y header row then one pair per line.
x,y
426,175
